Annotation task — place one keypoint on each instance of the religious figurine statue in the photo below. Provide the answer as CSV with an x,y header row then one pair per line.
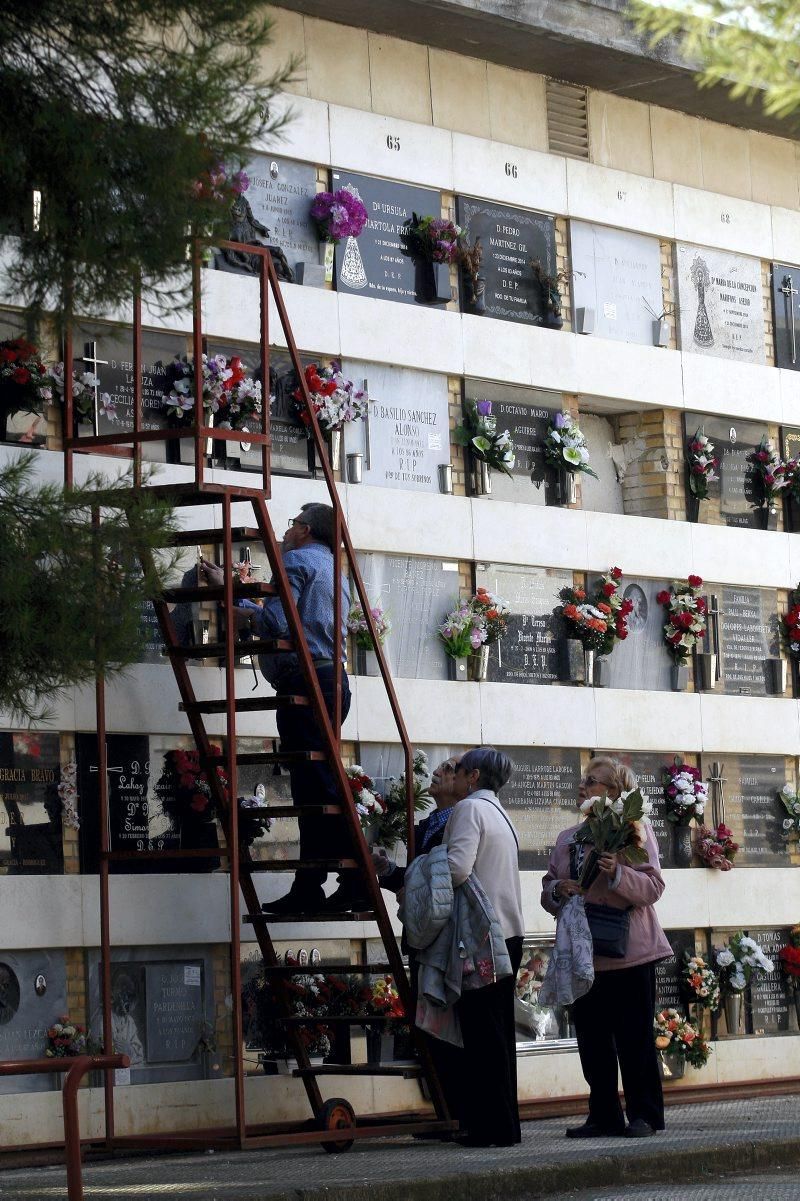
x,y
703,334
248,229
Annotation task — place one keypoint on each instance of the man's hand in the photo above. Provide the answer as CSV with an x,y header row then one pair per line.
x,y
212,574
381,862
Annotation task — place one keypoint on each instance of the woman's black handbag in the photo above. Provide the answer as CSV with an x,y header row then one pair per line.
x,y
609,929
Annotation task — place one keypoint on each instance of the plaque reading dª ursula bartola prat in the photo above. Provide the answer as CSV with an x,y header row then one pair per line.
x,y
770,998
748,631
752,808
511,239
541,799
373,264
720,306
528,654
785,286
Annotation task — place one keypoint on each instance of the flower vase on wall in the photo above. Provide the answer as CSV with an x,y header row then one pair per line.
x,y
431,282
333,439
481,478
733,1012
457,668
679,677
479,664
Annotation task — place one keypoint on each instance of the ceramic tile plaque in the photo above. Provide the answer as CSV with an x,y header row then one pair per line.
x,y
30,807
511,239
416,593
748,634
720,305
734,441
617,275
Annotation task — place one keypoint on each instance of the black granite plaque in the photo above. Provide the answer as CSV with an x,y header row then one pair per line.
x,y
511,239
30,807
274,210
136,796
669,994
736,491
785,286
751,788
648,769
529,652
526,413
416,594
108,354
770,998
174,1013
373,264
748,634
640,660
541,798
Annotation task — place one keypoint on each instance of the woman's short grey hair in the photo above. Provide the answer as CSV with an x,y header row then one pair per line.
x,y
495,767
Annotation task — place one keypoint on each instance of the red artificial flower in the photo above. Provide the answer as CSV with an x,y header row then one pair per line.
x,y
701,605
663,597
696,447
682,620
627,607
675,638
579,594
695,581
199,802
616,573
604,608
761,456
697,469
609,589
22,376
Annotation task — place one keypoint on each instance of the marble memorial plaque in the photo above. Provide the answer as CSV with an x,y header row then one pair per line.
x,y
277,202
161,1007
25,1014
541,799
648,768
669,994
416,594
748,635
737,491
751,787
617,275
373,264
771,999
112,352
526,413
137,794
786,314
529,652
406,437
720,304
641,660
511,239
26,428
30,807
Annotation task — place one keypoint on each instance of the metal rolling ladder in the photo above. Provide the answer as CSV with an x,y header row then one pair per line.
x,y
333,1115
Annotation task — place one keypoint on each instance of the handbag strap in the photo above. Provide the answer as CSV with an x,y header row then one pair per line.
x,y
503,815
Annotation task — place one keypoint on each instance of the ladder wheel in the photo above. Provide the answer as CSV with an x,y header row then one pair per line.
x,y
337,1114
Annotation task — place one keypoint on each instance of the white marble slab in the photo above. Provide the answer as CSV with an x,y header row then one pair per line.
x,y
620,199
726,222
389,147
495,171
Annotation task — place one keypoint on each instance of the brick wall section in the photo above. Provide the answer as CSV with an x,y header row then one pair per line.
x,y
77,1005
563,264
669,291
769,325
457,455
645,486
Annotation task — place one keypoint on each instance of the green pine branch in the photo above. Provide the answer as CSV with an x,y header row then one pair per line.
x,y
72,591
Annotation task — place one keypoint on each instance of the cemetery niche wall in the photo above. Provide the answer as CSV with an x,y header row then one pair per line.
x,y
529,652
511,239
30,807
720,304
616,283
162,1010
373,264
669,992
33,995
539,1027
526,413
541,799
26,428
405,437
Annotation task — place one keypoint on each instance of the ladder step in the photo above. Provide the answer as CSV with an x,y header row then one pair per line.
x,y
214,650
407,1070
210,494
214,535
255,757
245,705
216,592
254,919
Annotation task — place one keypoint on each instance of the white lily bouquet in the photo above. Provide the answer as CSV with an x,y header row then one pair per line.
x,y
565,446
612,827
738,962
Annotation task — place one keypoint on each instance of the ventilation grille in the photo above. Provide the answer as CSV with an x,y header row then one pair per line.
x,y
567,119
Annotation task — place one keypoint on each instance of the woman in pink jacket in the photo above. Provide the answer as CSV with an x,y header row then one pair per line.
x,y
614,1020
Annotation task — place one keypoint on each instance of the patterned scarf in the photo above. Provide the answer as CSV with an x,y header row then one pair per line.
x,y
436,821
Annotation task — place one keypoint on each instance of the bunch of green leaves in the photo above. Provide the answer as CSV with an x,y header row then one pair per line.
x,y
115,114
612,826
72,589
751,47
391,825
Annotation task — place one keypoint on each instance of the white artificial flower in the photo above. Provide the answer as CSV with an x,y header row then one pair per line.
x,y
725,958
647,807
788,790
617,807
787,823
586,805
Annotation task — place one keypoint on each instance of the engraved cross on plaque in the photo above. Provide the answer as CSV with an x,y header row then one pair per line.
x,y
788,291
92,361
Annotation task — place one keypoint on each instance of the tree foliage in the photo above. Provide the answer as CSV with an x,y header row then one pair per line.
x,y
72,591
113,112
750,46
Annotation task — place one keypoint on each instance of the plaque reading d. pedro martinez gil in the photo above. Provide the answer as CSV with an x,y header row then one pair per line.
x,y
511,239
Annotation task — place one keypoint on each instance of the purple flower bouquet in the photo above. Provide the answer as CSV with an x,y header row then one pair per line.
x,y
338,214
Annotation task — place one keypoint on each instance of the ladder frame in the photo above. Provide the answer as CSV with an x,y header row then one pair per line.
x,y
240,862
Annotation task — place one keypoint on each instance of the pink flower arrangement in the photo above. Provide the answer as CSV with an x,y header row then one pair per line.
x,y
771,472
716,847
339,214
701,463
686,617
